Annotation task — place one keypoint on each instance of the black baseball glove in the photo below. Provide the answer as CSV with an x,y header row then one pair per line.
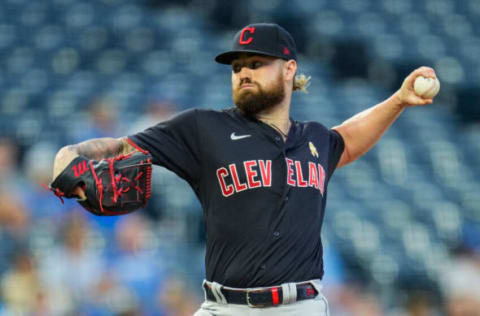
x,y
113,186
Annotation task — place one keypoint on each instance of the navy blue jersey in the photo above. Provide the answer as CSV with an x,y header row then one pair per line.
x,y
263,199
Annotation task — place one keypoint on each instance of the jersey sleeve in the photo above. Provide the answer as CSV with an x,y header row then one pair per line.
x,y
173,144
335,150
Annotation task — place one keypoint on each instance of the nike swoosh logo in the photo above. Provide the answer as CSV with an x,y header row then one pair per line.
x,y
237,137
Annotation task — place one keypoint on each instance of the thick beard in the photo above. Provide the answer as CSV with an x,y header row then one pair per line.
x,y
254,102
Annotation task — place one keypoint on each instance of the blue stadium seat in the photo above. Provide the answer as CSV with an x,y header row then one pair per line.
x,y
394,211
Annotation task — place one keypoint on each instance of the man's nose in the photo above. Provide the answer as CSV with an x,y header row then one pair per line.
x,y
245,73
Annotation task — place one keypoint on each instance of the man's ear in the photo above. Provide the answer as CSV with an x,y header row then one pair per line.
x,y
289,69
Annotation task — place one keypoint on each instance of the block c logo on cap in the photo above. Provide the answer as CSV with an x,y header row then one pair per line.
x,y
243,41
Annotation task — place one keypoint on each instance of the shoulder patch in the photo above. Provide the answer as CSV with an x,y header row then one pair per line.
x,y
313,149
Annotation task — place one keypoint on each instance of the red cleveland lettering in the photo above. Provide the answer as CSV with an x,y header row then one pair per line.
x,y
227,190
301,182
290,181
251,174
316,175
239,187
313,175
266,172
258,173
321,177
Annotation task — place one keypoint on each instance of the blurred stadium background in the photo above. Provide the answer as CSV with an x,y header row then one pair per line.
x,y
402,230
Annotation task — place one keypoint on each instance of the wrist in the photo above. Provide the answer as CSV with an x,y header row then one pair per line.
x,y
396,101
62,159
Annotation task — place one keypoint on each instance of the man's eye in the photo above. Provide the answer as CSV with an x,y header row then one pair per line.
x,y
236,68
256,64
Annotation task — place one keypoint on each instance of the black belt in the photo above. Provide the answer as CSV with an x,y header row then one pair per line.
x,y
266,297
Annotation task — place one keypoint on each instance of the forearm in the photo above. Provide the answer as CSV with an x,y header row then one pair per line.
x,y
362,131
97,149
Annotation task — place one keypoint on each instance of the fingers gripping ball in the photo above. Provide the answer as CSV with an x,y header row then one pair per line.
x,y
426,88
113,186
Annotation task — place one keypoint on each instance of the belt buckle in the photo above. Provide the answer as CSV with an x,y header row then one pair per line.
x,y
248,300
250,304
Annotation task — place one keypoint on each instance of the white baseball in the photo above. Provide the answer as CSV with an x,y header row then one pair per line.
x,y
426,88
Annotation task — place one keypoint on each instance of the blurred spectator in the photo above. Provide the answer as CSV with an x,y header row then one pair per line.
x,y
421,303
110,297
71,270
21,290
14,226
461,283
136,262
177,298
355,300
10,177
14,217
38,163
38,166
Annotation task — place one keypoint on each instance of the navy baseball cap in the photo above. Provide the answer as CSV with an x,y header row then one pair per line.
x,y
261,38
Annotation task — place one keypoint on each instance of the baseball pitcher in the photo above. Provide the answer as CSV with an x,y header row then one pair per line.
x,y
260,175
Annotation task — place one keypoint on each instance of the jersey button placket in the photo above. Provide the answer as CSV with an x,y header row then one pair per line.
x,y
276,235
